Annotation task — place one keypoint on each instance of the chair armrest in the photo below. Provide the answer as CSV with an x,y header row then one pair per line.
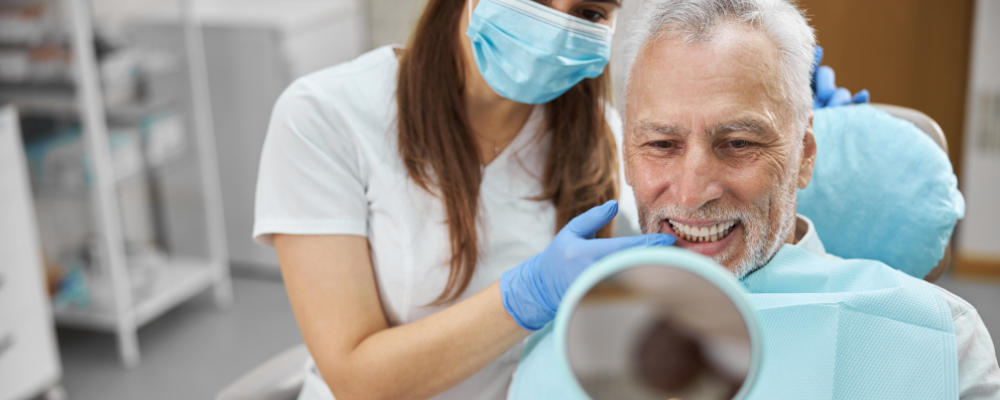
x,y
280,378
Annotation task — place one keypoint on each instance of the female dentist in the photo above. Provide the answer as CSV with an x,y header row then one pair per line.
x,y
404,190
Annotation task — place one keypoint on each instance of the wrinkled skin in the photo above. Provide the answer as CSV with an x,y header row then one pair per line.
x,y
710,139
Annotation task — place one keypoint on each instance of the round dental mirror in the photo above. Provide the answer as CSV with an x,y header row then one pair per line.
x,y
662,331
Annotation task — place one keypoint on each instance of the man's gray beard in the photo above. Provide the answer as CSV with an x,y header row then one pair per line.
x,y
762,241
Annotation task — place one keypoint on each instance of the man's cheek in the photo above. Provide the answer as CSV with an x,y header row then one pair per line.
x,y
769,164
650,184
753,182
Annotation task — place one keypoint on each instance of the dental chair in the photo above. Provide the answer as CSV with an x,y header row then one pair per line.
x,y
282,377
933,130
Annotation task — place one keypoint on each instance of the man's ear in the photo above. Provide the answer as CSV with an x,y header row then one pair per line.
x,y
808,162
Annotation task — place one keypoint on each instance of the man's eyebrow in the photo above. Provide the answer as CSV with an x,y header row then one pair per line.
x,y
750,124
666,130
615,2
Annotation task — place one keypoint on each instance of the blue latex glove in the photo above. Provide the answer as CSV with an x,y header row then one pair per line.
x,y
532,291
825,91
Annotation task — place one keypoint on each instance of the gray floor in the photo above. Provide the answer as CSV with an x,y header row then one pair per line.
x,y
196,350
190,353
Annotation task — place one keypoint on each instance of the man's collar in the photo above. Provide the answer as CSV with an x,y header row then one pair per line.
x,y
809,240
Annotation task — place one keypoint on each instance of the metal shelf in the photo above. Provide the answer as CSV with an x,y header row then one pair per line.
x,y
35,97
84,99
61,100
182,280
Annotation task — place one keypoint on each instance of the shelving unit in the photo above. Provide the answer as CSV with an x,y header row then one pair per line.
x,y
61,100
181,279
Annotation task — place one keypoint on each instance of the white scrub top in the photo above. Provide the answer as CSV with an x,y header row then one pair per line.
x,y
331,165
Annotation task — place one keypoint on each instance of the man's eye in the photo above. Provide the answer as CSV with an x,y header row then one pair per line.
x,y
662,144
592,16
738,144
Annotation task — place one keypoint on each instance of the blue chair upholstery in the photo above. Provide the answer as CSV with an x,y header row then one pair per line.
x,y
883,189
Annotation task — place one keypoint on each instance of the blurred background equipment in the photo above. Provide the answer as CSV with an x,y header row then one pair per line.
x,y
254,49
99,139
29,358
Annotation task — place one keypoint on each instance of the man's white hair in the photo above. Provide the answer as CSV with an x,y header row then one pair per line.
x,y
696,21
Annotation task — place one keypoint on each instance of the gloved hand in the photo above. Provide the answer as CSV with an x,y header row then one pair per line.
x,y
532,291
825,91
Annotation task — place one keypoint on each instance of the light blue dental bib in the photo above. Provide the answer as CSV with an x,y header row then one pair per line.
x,y
831,329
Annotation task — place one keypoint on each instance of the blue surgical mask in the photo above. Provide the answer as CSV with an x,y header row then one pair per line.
x,y
531,53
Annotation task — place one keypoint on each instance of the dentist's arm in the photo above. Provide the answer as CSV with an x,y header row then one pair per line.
x,y
332,289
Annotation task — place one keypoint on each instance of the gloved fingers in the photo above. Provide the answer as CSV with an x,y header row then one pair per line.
x,y
588,223
825,85
840,97
603,247
861,97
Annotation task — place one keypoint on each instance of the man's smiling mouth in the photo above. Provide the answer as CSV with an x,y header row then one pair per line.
x,y
703,234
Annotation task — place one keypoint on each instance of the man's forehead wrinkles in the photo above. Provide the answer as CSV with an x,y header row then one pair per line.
x,y
751,124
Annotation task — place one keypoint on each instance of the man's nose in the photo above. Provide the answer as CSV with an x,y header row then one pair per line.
x,y
698,182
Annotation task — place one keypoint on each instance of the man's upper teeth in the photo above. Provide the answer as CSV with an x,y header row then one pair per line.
x,y
704,231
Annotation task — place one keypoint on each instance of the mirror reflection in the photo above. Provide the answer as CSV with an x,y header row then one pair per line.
x,y
656,332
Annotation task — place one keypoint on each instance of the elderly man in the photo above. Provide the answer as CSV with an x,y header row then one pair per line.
x,y
718,137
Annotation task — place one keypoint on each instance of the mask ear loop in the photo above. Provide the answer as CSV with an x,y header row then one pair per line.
x,y
470,9
614,21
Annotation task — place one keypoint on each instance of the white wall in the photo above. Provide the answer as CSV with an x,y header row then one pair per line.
x,y
392,20
979,233
629,7
116,11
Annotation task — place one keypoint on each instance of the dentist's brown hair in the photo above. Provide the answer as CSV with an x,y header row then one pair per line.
x,y
441,155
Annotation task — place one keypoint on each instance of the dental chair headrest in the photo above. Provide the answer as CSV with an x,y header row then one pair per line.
x,y
881,190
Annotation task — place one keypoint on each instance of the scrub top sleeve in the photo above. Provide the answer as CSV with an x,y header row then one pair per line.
x,y
309,180
627,220
978,372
